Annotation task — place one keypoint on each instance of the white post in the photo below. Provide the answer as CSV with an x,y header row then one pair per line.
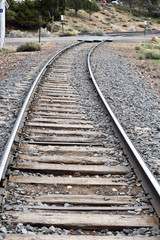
x,y
2,21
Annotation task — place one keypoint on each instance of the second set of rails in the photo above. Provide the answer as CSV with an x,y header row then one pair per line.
x,y
63,175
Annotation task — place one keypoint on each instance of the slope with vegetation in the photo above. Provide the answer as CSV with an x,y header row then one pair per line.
x,y
82,16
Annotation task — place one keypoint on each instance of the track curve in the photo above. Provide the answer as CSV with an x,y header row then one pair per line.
x,y
69,174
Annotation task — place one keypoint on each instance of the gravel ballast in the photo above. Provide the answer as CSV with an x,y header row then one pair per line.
x,y
135,105
133,102
18,71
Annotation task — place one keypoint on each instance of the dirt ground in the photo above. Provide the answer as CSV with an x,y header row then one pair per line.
x,y
14,60
145,69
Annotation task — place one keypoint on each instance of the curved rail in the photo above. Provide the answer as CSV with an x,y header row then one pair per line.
x,y
149,183
8,148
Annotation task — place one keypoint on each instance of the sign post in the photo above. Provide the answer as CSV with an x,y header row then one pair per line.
x,y
62,19
3,4
145,26
2,21
40,22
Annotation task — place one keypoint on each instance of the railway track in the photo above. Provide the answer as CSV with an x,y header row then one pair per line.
x,y
70,178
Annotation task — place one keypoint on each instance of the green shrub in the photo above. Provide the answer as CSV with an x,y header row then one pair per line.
x,y
141,57
108,19
152,53
6,51
56,28
148,46
137,48
29,47
70,30
124,25
141,26
71,13
148,53
67,34
156,46
156,54
85,30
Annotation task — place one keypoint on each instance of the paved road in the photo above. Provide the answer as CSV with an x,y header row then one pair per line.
x,y
79,38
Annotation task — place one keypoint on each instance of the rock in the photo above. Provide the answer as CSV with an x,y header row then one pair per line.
x,y
141,231
65,232
52,229
3,229
80,232
155,39
29,228
24,231
8,208
45,230
106,198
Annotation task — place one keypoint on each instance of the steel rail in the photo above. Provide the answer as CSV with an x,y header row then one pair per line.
x,y
9,145
148,181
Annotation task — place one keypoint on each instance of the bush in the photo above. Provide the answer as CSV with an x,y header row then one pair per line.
x,y
116,30
70,30
85,30
19,34
44,33
29,47
56,28
156,46
71,13
66,34
132,29
141,26
97,32
148,46
152,53
6,51
108,19
137,48
156,54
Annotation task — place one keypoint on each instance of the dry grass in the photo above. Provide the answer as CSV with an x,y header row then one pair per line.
x,y
107,19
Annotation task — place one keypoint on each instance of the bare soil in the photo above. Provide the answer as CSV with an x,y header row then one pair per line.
x,y
14,60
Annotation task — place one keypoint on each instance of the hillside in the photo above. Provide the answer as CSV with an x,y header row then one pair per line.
x,y
107,19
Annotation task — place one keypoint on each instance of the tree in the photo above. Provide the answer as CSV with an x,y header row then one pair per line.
x,y
91,7
11,13
51,10
26,14
76,5
130,3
